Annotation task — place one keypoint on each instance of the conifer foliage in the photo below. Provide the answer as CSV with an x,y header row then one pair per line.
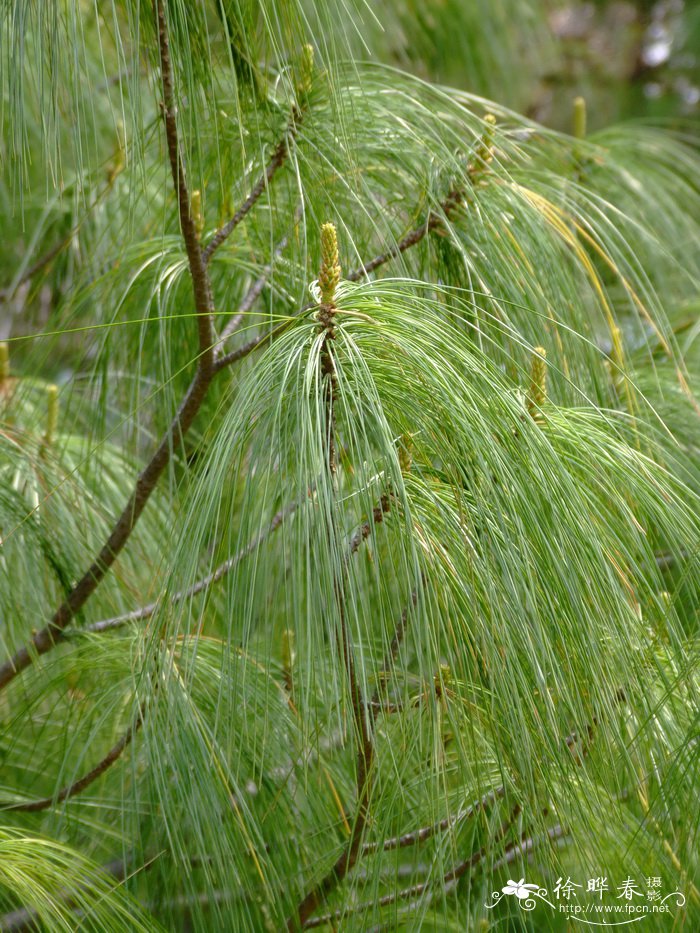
x,y
349,478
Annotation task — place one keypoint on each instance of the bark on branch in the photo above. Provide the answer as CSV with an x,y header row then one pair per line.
x,y
417,890
45,639
145,612
277,160
72,790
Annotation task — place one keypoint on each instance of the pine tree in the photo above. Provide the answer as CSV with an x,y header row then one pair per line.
x,y
349,477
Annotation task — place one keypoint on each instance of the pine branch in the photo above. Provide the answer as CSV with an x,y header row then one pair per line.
x,y
45,639
396,641
28,919
257,343
203,300
72,790
415,837
277,160
527,845
8,292
417,890
256,288
363,532
427,832
448,205
145,612
329,277
512,852
454,199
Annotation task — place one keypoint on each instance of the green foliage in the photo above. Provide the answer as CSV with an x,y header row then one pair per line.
x,y
427,558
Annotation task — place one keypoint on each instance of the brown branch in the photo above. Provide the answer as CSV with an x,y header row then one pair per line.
x,y
256,288
427,832
361,714
350,854
7,293
203,300
328,280
44,260
452,200
512,851
448,205
145,612
476,169
45,639
72,790
528,843
434,220
279,157
257,342
53,633
416,890
396,641
363,532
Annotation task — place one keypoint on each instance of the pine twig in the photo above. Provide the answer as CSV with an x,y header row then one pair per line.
x,y
556,834
145,612
28,919
417,890
396,641
329,277
48,637
240,353
72,790
9,291
277,160
529,843
363,532
432,222
256,288
427,832
203,300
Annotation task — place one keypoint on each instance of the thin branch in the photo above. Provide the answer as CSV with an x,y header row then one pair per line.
x,y
9,291
448,205
72,790
52,634
363,532
145,612
45,639
555,835
328,279
396,641
427,832
361,714
256,288
417,836
279,157
416,890
453,199
525,847
257,342
434,220
203,300
476,169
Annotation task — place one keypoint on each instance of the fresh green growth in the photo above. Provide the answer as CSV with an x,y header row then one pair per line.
x,y
337,598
